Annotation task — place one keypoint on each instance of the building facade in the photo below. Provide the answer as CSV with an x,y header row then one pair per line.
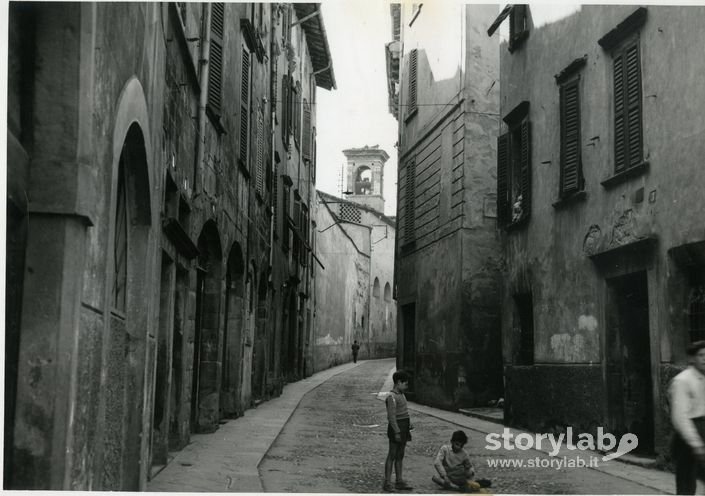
x,y
355,244
151,289
598,194
444,91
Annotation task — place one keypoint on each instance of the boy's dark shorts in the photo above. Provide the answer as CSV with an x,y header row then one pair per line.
x,y
403,431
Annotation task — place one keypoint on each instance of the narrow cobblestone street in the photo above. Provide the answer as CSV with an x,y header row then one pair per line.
x,y
336,442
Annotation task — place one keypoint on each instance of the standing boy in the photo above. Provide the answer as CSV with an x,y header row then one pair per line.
x,y
398,431
687,398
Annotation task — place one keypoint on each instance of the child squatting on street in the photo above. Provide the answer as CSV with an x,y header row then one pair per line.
x,y
398,431
455,468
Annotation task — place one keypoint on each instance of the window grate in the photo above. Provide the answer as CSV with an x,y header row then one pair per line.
x,y
350,213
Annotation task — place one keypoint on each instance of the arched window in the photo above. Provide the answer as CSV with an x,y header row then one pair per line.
x,y
375,288
387,292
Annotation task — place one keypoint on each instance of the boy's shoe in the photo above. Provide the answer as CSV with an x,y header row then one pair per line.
x,y
387,487
402,485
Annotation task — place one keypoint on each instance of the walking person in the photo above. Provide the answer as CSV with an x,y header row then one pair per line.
x,y
398,431
355,350
687,401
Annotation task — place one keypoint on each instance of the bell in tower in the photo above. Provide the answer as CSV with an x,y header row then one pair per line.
x,y
365,175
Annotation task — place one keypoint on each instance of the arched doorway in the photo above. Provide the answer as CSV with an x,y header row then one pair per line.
x,y
129,306
232,335
205,397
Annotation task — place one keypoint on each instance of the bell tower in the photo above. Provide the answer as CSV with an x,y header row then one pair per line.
x,y
365,175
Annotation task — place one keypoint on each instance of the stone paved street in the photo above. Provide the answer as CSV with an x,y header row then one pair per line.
x,y
336,442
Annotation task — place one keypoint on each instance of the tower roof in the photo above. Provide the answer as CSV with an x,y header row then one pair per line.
x,y
366,151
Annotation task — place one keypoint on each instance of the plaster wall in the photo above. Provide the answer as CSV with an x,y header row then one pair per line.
x,y
550,256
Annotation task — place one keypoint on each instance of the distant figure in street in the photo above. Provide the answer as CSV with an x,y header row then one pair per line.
x,y
355,350
398,431
687,401
455,470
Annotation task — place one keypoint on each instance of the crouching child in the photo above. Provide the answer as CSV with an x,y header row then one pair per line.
x,y
455,470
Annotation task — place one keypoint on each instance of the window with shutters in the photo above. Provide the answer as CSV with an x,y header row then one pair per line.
x,y
259,160
286,199
296,125
628,147
275,204
518,26
410,202
306,139
215,63
296,226
244,109
411,99
514,168
313,155
285,111
571,174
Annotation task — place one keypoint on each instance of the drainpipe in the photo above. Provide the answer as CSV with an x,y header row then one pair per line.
x,y
203,97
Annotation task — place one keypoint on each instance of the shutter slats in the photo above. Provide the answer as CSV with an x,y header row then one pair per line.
x,y
285,111
413,67
260,154
215,70
410,201
526,168
627,109
244,106
570,138
306,145
502,179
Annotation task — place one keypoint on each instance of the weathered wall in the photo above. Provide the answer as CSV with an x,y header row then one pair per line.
x,y
105,389
550,256
342,288
450,269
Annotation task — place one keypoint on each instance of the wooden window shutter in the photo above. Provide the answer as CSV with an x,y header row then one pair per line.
x,y
628,146
633,103
410,201
413,72
570,138
285,111
620,159
244,106
215,70
306,144
526,168
275,203
503,179
260,154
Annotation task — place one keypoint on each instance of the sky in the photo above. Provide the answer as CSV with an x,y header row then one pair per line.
x,y
357,112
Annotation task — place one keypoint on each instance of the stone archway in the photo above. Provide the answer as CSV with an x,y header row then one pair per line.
x,y
205,386
129,316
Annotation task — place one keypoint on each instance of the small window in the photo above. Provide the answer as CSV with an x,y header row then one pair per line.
x,y
514,168
387,293
375,288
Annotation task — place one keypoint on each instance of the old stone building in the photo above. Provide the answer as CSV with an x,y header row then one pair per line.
x,y
443,83
599,195
355,244
161,166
